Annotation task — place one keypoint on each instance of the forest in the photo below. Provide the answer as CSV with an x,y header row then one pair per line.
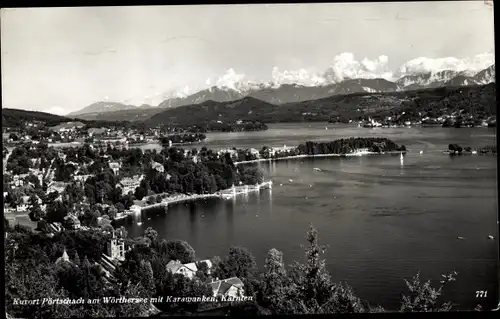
x,y
182,138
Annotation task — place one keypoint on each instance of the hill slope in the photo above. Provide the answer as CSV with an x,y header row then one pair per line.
x,y
134,115
211,111
480,99
15,117
105,107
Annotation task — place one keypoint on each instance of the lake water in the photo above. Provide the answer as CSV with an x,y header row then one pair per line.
x,y
382,221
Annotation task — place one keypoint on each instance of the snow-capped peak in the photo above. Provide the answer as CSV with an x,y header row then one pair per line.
x,y
345,66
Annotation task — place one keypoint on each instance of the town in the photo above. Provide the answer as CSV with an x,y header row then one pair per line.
x,y
111,134
71,198
455,119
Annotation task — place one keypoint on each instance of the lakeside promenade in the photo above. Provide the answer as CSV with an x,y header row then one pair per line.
x,y
227,193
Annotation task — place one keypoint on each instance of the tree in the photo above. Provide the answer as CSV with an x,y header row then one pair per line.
x,y
180,250
151,200
424,297
120,207
217,271
90,218
13,136
35,282
343,300
36,212
6,225
112,211
274,281
146,278
133,309
239,263
77,259
121,232
151,234
140,192
311,290
56,212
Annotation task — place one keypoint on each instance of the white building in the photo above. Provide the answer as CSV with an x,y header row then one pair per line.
x,y
116,248
188,270
158,167
58,187
23,206
115,166
130,184
81,178
63,258
255,152
231,287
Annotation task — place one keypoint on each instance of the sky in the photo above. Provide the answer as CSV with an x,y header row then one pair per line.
x,y
60,60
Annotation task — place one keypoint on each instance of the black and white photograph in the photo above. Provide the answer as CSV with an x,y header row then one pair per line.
x,y
249,159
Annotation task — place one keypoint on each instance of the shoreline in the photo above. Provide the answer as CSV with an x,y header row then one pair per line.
x,y
319,155
223,194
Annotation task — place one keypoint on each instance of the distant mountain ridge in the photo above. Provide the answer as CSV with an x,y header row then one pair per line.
x,y
479,98
104,106
290,93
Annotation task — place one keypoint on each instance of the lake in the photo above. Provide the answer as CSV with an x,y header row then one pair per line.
x,y
382,221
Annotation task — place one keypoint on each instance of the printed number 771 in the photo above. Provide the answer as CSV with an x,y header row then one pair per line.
x,y
481,294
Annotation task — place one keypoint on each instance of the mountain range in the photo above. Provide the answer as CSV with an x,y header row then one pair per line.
x,y
287,93
477,99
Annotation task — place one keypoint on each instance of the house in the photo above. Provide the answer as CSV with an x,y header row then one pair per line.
x,y
63,258
96,131
254,152
72,222
45,227
112,140
115,166
231,287
54,228
188,270
58,187
278,150
130,184
158,167
82,178
232,153
67,127
23,206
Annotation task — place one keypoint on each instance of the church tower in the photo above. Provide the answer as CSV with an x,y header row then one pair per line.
x,y
116,248
63,258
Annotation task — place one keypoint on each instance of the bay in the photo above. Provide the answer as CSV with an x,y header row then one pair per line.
x,y
382,221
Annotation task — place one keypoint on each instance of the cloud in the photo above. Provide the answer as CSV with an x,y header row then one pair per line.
x,y
425,65
230,80
301,76
347,66
183,92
